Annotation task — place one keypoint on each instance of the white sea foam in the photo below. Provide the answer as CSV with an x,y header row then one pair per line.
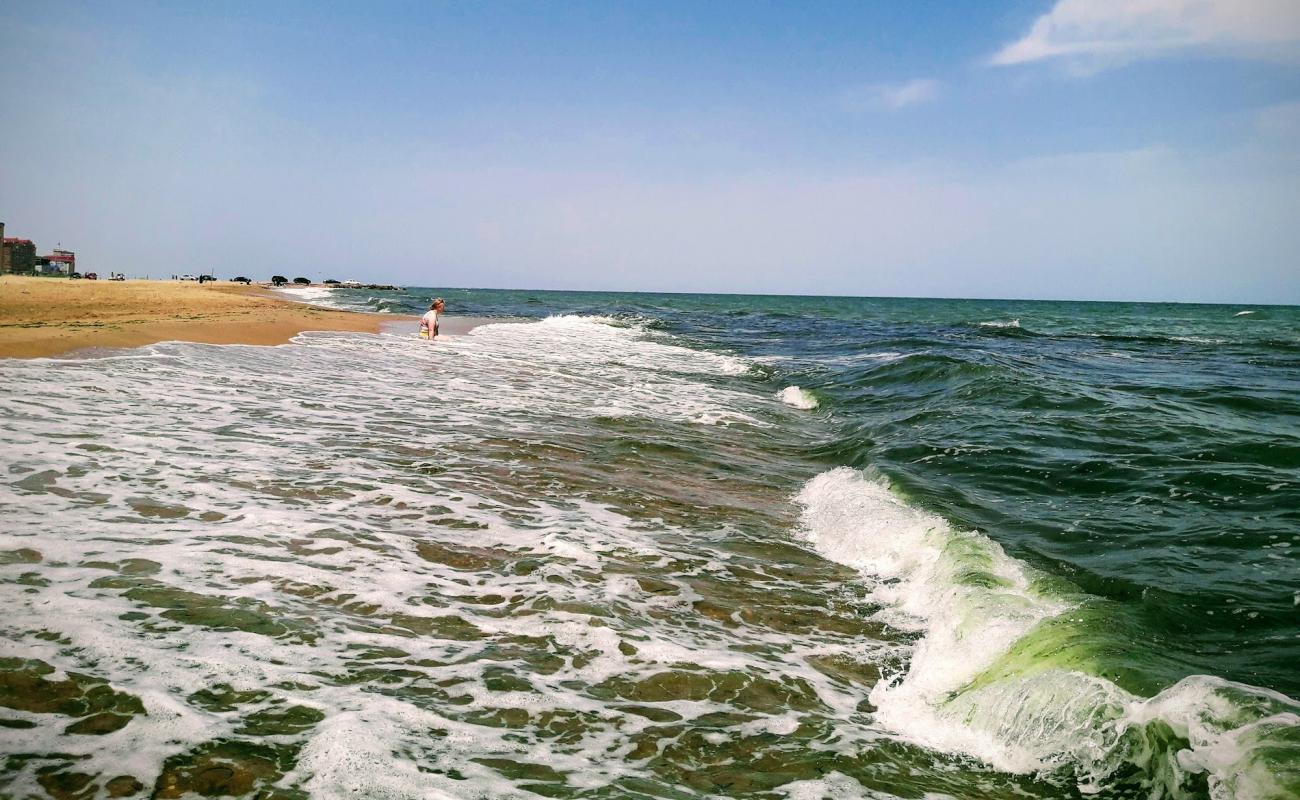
x,y
312,295
798,398
1001,323
971,603
834,786
301,486
1243,313
919,559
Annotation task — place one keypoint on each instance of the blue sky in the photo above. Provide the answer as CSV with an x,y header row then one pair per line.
x,y
1132,149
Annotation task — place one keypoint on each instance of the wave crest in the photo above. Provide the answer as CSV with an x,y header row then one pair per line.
x,y
999,673
795,397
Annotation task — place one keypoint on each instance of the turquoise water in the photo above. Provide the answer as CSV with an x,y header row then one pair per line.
x,y
635,545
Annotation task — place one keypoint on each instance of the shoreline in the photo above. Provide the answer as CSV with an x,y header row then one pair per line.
x,y
449,326
47,317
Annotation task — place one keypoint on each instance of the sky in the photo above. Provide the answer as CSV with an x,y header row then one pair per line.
x,y
1105,150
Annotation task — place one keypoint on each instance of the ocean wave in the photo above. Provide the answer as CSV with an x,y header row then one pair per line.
x,y
322,296
797,398
637,327
612,369
1198,340
1150,338
1003,327
918,369
388,305
636,322
883,356
997,673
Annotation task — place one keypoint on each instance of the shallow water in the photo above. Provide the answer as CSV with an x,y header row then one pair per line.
x,y
612,553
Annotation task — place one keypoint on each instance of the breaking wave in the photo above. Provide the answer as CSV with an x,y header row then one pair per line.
x,y
1005,671
795,397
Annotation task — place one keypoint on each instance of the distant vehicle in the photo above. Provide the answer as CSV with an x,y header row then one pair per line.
x,y
351,284
302,281
92,276
330,282
189,277
116,276
76,276
206,278
241,279
278,280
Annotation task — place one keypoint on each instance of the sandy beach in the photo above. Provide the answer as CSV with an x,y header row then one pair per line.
x,y
51,316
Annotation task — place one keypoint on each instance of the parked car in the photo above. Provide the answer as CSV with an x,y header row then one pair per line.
x,y
241,279
278,280
116,276
76,276
189,277
330,282
92,276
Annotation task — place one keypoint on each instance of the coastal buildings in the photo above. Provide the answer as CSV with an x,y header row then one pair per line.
x,y
18,257
59,262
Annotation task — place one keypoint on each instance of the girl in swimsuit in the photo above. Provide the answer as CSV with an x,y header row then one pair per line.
x,y
429,322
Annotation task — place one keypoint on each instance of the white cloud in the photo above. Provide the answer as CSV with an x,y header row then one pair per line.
x,y
1093,35
890,96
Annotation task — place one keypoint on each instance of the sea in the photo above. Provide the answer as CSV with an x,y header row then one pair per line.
x,y
662,546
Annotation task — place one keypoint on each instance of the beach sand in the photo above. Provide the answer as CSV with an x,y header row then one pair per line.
x,y
53,316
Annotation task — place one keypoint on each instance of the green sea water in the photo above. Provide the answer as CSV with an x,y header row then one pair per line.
x,y
630,545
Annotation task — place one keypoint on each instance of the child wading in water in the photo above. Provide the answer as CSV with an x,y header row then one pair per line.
x,y
429,322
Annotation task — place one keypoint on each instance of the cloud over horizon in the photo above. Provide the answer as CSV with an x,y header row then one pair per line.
x,y
1094,36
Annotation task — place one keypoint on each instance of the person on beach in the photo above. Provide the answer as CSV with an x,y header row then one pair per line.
x,y
429,322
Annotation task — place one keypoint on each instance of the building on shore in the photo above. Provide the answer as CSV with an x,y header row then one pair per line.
x,y
59,262
17,256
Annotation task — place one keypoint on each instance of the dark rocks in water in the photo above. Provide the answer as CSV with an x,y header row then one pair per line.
x,y
227,769
99,724
222,698
24,687
281,721
123,786
734,687
67,785
23,555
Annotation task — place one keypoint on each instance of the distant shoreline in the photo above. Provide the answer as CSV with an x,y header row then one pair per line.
x,y
42,317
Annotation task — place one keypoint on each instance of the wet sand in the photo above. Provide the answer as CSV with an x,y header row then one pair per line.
x,y
54,316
